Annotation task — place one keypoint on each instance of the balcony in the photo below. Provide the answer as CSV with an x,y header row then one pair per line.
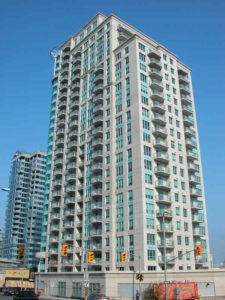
x,y
55,204
62,104
159,119
198,232
184,89
190,143
65,63
96,192
70,200
97,167
61,122
155,63
75,86
98,88
58,172
98,120
196,205
169,260
155,73
55,216
68,237
163,199
98,99
75,78
99,70
188,121
54,228
73,124
71,166
161,157
69,213
168,228
97,155
162,171
96,179
64,79
59,151
96,233
58,162
74,114
160,144
54,239
73,134
191,155
63,87
167,214
96,206
70,188
187,110
186,100
80,187
97,142
59,142
189,132
97,219
160,131
81,152
74,104
98,109
76,69
193,167
71,154
154,53
97,132
157,95
70,177
75,95
99,79
62,96
196,219
195,192
169,244
163,185
77,55
72,144
96,247
194,179
158,107
79,211
183,79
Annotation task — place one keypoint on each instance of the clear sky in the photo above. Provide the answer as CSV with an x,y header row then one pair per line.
x,y
193,29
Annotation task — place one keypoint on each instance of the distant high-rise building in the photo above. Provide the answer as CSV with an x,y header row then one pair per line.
x,y
124,169
1,242
25,206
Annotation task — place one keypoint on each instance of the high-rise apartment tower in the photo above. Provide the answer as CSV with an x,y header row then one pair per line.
x,y
124,169
25,207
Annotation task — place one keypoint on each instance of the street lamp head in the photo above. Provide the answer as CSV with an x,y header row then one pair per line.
x,y
5,190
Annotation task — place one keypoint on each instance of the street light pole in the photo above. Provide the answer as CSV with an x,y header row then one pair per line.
x,y
164,252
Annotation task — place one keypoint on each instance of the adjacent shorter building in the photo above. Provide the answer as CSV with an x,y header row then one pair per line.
x,y
24,207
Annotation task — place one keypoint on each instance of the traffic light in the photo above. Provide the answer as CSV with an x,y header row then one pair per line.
x,y
91,257
198,250
20,252
64,250
138,276
123,256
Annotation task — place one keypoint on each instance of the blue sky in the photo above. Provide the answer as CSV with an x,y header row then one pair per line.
x,y
193,29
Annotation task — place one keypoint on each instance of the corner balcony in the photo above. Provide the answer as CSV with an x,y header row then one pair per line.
x,y
65,63
198,232
162,170
97,167
58,162
73,124
188,121
98,99
187,110
163,199
59,151
196,219
162,157
99,70
191,155
74,104
96,206
78,54
160,144
184,89
73,134
75,86
63,87
97,143
168,228
158,107
155,73
98,109
185,99
99,78
54,239
96,193
194,192
55,204
75,95
194,179
59,142
55,216
68,237
189,132
64,78
154,53
97,155
155,63
196,205
157,95
96,247
167,214
71,188
54,228
193,167
70,200
160,131
71,177
62,104
74,114
96,233
97,132
62,96
96,219
98,120
183,79
190,143
71,154
98,88
69,213
75,78
163,185
71,166
159,119
58,172
169,244
96,179
170,259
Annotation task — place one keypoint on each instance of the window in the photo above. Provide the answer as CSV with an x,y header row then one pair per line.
x,y
184,200
184,212
177,211
164,57
178,224
179,240
176,196
141,47
187,241
174,170
175,183
126,50
151,254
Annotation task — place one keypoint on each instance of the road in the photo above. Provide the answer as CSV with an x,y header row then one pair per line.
x,y
41,298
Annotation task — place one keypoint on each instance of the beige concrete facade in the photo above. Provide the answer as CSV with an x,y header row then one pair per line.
x,y
121,285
